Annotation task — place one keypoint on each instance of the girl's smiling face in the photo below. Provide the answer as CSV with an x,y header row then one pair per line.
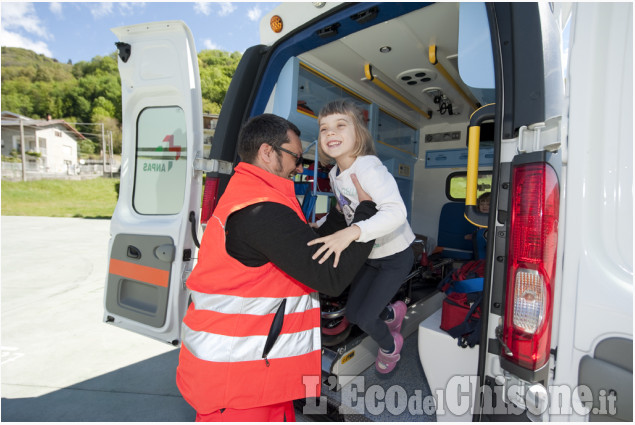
x,y
337,138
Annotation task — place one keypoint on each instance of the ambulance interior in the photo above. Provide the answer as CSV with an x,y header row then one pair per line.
x,y
405,74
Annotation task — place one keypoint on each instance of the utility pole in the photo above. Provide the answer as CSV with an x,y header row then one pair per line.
x,y
103,143
103,148
23,149
111,156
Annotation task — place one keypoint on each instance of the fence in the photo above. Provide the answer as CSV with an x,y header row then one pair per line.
x,y
12,171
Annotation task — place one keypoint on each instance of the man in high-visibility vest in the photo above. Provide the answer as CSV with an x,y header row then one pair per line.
x,y
252,332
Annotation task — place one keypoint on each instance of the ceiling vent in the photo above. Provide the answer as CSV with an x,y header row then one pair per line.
x,y
414,77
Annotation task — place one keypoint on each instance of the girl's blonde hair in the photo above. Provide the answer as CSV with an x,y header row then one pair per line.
x,y
363,140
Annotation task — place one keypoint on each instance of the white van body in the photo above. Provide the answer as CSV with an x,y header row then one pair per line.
x,y
423,72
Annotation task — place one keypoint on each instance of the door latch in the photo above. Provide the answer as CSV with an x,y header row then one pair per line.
x,y
213,165
541,136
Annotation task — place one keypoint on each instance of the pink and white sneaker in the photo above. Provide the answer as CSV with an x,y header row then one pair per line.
x,y
399,309
385,363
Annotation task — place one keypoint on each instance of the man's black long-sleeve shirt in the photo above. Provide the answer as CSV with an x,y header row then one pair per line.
x,y
271,232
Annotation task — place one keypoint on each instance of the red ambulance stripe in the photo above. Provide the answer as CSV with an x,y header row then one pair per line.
x,y
141,273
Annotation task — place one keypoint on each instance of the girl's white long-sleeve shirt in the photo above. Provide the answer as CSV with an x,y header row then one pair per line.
x,y
389,227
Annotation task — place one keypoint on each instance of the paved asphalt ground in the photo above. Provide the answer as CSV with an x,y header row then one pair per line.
x,y
60,362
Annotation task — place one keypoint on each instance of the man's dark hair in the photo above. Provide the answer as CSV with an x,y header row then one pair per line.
x,y
266,128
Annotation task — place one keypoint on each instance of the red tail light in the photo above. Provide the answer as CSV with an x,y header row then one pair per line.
x,y
532,249
210,197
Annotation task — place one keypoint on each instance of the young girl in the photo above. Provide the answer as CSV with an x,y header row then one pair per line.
x,y
344,137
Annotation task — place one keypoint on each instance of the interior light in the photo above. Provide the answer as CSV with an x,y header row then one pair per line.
x,y
385,49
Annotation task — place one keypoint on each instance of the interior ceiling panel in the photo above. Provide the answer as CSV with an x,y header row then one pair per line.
x,y
409,38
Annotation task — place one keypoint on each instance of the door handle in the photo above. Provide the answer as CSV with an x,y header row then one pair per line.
x,y
133,252
193,221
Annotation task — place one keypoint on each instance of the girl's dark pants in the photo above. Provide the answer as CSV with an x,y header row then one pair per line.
x,y
372,289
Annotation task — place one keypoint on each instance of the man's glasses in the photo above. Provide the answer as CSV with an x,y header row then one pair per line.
x,y
298,158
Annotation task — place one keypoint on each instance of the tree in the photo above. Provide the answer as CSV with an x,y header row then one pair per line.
x,y
76,105
43,74
86,146
210,107
102,108
90,91
216,69
19,103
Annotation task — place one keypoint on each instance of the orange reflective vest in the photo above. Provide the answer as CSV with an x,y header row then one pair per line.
x,y
232,313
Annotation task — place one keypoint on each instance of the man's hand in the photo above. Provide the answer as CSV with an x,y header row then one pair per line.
x,y
339,241
361,195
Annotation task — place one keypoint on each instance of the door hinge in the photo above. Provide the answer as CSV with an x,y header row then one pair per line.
x,y
213,165
541,136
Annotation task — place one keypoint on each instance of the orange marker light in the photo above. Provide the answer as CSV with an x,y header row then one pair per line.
x,y
276,23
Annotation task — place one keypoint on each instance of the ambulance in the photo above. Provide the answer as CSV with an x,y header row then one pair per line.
x,y
529,102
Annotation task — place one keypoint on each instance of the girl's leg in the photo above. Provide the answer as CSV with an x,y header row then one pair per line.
x,y
378,289
394,320
358,291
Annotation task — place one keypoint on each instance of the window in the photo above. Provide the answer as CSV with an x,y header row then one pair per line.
x,y
456,185
315,91
58,133
41,141
396,133
161,161
475,55
30,144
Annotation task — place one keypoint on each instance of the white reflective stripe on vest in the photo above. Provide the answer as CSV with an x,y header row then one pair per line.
x,y
221,348
261,306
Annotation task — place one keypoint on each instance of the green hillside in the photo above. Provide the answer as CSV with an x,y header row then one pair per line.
x,y
35,86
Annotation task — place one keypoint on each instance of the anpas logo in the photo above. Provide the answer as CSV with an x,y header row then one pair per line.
x,y
162,157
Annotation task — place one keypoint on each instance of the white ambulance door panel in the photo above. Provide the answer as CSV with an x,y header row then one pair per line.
x,y
597,276
151,248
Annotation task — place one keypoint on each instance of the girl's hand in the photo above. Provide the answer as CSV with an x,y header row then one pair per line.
x,y
335,243
340,240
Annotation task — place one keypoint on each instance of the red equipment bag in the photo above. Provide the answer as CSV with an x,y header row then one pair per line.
x,y
461,317
461,309
456,307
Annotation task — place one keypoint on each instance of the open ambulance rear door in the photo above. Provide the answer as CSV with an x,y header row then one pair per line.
x,y
558,333
152,244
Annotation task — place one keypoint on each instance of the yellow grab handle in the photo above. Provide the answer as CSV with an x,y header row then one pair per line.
x,y
472,214
432,57
473,146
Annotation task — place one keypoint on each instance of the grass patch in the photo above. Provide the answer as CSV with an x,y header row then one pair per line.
x,y
95,198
